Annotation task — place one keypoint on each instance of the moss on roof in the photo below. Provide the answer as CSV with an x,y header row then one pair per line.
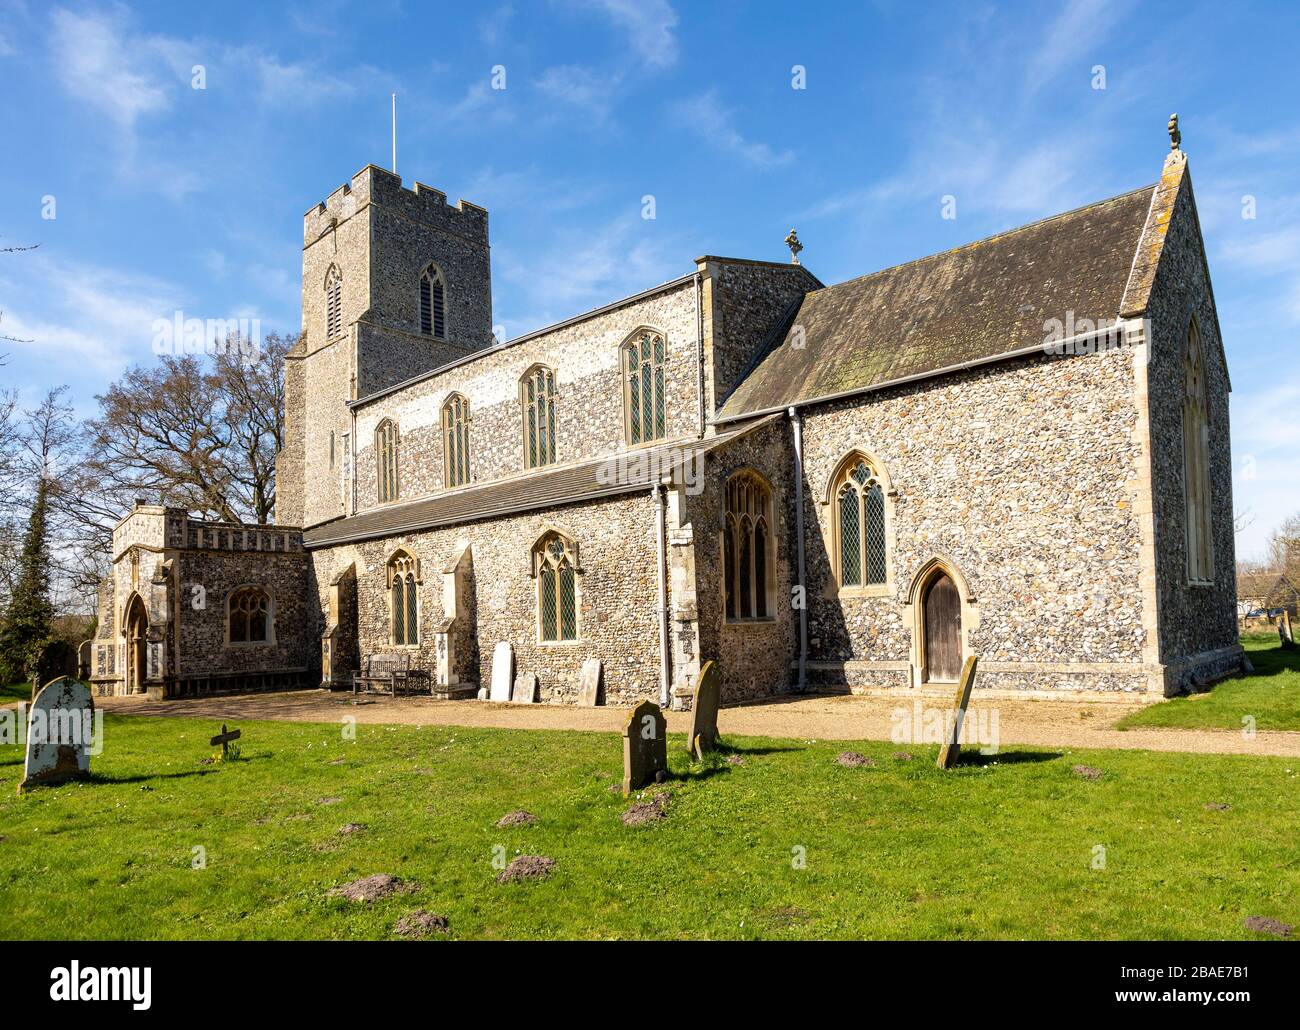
x,y
972,303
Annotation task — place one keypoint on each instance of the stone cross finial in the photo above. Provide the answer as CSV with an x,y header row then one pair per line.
x,y
1175,137
792,241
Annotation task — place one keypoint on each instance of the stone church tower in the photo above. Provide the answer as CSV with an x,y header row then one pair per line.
x,y
364,330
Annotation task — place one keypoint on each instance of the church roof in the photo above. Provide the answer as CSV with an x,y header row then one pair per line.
x,y
624,472
974,304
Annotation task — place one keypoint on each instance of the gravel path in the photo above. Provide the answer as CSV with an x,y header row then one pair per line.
x,y
1046,723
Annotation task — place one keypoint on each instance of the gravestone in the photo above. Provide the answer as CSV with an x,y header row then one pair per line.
x,y
589,683
525,689
60,726
645,747
952,749
503,671
704,712
1284,629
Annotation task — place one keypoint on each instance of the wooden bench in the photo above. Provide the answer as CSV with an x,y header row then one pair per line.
x,y
387,673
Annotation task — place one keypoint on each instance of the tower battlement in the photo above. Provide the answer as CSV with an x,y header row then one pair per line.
x,y
424,204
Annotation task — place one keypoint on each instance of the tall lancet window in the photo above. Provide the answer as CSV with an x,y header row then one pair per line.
x,y
537,393
859,496
404,591
386,459
433,303
555,566
643,386
1196,461
455,439
748,548
333,303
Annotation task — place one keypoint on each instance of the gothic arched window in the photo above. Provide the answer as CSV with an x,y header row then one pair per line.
x,y
386,460
861,559
433,303
537,394
333,303
555,567
404,593
248,616
643,386
1196,461
455,440
747,548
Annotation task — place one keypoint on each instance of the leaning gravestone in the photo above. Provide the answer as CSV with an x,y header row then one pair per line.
x,y
704,712
503,671
952,749
645,746
1284,629
589,683
525,688
59,731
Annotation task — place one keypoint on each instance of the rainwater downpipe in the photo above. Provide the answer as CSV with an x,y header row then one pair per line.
x,y
665,664
796,423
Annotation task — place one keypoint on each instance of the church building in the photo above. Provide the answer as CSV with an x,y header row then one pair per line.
x,y
1017,449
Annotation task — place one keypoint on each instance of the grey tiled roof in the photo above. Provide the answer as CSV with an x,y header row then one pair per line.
x,y
971,304
621,473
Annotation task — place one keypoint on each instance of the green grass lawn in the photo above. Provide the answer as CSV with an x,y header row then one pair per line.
x,y
15,692
1271,695
1000,847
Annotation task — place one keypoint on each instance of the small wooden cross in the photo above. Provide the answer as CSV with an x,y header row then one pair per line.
x,y
224,738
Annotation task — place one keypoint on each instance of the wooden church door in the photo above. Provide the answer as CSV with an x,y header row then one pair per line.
x,y
942,610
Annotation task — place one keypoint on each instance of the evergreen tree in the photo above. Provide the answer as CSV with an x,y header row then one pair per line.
x,y
26,630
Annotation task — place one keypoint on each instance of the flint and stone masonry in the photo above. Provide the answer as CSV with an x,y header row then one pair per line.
x,y
1032,500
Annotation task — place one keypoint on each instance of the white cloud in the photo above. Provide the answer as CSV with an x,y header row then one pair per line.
x,y
581,88
584,267
1075,39
649,25
96,65
85,322
492,27
707,117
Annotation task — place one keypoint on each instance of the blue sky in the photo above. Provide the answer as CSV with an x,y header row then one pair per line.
x,y
167,197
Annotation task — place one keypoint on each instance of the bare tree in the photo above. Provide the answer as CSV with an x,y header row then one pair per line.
x,y
196,434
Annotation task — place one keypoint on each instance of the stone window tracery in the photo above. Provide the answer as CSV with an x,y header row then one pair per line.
x,y
747,547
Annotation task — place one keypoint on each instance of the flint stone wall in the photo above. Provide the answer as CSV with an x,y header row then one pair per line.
x,y
617,620
1194,620
1023,476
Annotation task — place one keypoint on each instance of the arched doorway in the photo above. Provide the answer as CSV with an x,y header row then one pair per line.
x,y
137,645
940,629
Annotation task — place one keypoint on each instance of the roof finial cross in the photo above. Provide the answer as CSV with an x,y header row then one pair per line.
x,y
1175,137
792,241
